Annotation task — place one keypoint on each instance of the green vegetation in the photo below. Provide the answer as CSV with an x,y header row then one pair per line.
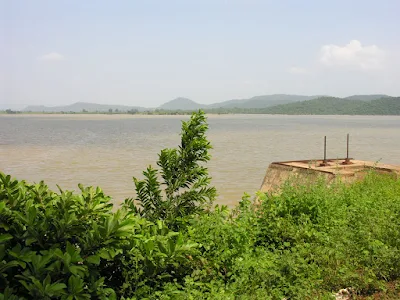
x,y
264,101
187,191
305,243
367,97
319,106
337,106
260,101
10,112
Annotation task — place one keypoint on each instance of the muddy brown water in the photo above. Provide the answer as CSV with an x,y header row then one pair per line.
x,y
107,150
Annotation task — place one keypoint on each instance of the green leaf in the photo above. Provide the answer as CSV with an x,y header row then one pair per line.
x,y
75,285
93,259
5,237
171,245
149,246
56,289
5,266
30,240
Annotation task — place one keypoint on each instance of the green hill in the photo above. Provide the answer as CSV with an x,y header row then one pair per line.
x,y
181,104
338,106
266,104
261,101
367,97
384,106
252,105
254,102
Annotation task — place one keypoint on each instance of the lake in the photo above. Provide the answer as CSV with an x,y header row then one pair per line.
x,y
107,150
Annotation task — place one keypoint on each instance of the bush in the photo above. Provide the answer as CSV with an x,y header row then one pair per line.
x,y
69,246
350,232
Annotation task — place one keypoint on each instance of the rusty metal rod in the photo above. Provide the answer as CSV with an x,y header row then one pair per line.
x,y
347,160
324,162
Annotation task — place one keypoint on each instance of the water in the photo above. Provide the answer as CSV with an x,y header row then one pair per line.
x,y
107,150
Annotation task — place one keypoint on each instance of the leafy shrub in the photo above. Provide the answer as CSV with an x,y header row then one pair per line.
x,y
68,246
50,242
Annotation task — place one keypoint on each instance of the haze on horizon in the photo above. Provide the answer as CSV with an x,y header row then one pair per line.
x,y
144,53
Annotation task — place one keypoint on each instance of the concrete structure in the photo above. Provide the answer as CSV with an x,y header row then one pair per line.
x,y
306,171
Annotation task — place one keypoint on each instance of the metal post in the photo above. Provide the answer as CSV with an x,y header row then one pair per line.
x,y
324,162
347,160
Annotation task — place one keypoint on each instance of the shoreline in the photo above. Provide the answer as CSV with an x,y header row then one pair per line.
x,y
89,116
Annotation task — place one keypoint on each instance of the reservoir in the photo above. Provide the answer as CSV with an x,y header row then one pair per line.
x,y
107,150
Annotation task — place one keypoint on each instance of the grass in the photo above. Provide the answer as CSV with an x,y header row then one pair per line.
x,y
308,242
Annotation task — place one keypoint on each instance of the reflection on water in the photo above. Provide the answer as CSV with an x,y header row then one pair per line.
x,y
109,150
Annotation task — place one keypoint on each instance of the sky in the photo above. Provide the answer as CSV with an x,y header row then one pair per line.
x,y
145,53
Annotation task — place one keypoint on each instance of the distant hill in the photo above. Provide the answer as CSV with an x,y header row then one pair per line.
x,y
367,97
228,104
338,106
267,104
181,104
383,106
272,100
261,101
254,102
80,106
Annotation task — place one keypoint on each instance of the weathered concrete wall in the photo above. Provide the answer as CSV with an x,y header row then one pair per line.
x,y
303,173
277,175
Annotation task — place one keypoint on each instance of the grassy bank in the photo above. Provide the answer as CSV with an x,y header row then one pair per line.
x,y
305,243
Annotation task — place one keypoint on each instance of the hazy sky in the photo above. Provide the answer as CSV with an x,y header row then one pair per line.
x,y
148,52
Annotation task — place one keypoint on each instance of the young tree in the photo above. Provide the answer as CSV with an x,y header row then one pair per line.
x,y
185,178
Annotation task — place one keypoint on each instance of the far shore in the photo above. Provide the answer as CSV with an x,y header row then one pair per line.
x,y
99,116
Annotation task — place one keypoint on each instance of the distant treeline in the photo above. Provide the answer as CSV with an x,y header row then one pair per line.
x,y
319,106
338,106
11,112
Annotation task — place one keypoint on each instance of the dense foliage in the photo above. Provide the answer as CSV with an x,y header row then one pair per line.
x,y
304,243
338,106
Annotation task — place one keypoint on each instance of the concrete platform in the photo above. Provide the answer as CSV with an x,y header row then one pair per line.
x,y
306,171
